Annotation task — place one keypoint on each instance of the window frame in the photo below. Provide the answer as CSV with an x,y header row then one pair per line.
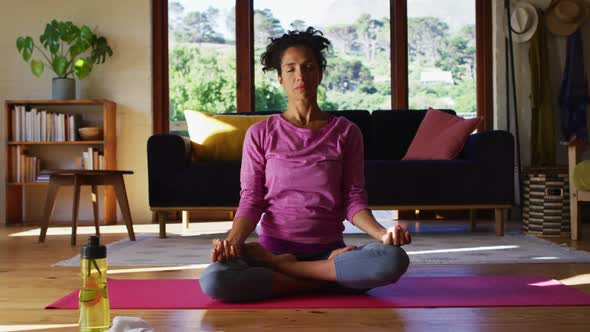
x,y
245,60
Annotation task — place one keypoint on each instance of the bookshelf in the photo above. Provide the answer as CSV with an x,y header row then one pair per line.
x,y
58,154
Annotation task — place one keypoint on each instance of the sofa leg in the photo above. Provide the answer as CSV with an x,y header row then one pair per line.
x,y
185,221
499,216
574,216
472,213
161,219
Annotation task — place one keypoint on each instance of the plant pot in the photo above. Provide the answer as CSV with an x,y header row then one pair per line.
x,y
63,88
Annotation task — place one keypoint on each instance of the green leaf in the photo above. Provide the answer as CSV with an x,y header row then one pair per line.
x,y
50,37
37,67
68,32
69,65
60,66
100,50
79,47
25,45
86,34
82,42
76,50
83,67
20,43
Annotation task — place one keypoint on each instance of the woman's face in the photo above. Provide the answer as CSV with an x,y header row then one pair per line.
x,y
300,73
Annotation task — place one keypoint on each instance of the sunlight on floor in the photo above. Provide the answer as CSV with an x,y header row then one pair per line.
x,y
158,269
437,251
12,328
195,229
580,279
547,283
545,258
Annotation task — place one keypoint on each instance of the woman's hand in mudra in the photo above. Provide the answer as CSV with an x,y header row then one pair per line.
x,y
224,250
396,236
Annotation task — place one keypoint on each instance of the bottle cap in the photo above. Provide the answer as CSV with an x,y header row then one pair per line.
x,y
93,250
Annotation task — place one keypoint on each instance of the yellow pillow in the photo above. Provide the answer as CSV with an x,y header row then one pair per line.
x,y
218,136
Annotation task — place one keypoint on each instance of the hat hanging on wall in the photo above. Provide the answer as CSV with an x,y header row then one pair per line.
x,y
564,17
523,20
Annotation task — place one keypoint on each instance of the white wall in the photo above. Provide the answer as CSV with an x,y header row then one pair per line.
x,y
124,78
556,54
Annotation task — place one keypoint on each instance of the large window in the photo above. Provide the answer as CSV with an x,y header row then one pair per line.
x,y
358,74
387,54
201,58
441,55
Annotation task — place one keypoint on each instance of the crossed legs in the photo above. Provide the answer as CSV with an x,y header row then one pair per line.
x,y
260,275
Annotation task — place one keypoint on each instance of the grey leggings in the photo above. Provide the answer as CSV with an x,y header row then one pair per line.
x,y
357,271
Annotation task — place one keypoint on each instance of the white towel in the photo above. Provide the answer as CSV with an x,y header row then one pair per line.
x,y
130,324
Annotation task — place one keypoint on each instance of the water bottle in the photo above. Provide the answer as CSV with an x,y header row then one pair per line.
x,y
93,297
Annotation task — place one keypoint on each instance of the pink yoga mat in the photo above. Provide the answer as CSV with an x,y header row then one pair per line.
x,y
409,292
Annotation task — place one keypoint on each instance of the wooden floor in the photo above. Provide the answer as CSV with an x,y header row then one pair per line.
x,y
28,283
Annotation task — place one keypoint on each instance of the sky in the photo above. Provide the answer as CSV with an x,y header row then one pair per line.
x,y
287,12
326,12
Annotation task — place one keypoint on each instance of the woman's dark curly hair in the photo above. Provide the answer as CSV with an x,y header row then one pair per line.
x,y
312,38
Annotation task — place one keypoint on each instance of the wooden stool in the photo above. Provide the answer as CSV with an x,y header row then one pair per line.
x,y
92,178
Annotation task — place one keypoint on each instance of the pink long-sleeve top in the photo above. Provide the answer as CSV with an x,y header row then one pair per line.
x,y
306,182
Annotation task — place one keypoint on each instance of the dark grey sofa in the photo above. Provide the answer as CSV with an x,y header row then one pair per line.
x,y
481,177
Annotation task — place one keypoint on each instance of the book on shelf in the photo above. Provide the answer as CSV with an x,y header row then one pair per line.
x,y
43,178
24,168
92,159
39,125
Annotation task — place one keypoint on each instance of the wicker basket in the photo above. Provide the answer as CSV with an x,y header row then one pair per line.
x,y
546,202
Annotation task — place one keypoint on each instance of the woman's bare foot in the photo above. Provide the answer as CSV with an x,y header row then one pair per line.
x,y
256,250
284,258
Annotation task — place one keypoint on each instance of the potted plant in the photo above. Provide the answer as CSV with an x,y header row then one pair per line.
x,y
71,51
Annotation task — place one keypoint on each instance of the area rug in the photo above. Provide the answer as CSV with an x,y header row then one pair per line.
x,y
426,248
410,292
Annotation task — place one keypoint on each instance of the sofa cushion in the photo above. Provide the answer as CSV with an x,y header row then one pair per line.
x,y
218,136
440,136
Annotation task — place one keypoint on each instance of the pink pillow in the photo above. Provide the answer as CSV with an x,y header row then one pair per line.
x,y
441,136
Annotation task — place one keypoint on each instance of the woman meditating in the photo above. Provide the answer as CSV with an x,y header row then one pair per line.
x,y
303,172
